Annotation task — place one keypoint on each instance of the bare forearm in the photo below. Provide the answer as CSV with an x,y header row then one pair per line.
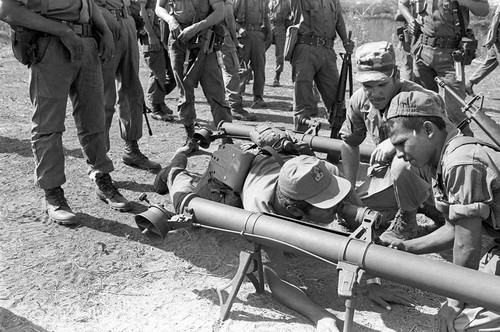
x,y
437,241
341,29
477,8
350,162
98,20
13,13
403,9
164,15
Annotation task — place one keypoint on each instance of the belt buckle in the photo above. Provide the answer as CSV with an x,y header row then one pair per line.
x,y
322,41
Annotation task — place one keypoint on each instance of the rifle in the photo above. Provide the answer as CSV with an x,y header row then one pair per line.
x,y
337,113
145,111
352,253
487,125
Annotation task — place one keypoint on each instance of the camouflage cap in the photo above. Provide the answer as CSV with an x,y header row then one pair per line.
x,y
416,103
375,61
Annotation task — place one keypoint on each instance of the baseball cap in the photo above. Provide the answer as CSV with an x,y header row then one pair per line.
x,y
416,103
375,61
307,178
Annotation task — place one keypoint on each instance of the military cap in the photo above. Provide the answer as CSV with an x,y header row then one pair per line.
x,y
416,103
307,178
375,61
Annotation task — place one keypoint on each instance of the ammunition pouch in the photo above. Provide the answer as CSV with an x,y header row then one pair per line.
x,y
265,135
226,173
468,46
24,45
292,34
209,40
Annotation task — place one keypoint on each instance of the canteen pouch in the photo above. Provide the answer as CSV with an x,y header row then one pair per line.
x,y
292,34
24,45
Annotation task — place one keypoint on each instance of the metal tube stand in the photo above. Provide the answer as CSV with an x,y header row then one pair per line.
x,y
246,257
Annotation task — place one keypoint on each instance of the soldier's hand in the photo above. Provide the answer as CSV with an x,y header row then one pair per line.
x,y
327,324
414,27
348,46
447,315
106,47
155,43
112,23
175,32
382,296
397,244
383,153
187,34
73,43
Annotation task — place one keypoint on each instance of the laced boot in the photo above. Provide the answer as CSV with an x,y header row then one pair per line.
x,y
276,81
403,227
132,156
57,207
239,113
190,145
108,193
164,179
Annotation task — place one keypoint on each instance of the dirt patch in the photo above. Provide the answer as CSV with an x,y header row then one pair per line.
x,y
104,275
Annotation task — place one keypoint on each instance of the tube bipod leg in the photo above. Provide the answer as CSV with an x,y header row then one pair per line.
x,y
246,257
350,274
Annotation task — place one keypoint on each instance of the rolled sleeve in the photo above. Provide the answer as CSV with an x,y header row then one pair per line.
x,y
469,191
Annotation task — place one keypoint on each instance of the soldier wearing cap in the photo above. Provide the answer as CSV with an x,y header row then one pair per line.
x,y
68,64
122,87
304,188
279,13
313,57
196,30
466,173
438,27
393,184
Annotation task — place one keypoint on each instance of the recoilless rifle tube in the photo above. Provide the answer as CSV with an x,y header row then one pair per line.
x,y
442,278
317,143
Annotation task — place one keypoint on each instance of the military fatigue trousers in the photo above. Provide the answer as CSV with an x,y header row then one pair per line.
x,y
52,80
124,68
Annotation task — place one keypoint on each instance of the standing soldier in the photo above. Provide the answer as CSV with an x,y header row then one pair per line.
x,y
231,66
69,56
252,25
492,56
195,35
161,78
124,68
313,57
438,27
279,14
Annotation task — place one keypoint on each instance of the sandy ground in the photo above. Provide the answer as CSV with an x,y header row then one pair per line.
x,y
104,275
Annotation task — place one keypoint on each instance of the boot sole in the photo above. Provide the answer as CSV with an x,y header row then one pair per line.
x,y
64,222
152,170
116,208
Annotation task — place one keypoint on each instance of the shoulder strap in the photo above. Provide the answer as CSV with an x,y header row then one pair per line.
x,y
275,154
458,141
457,11
44,7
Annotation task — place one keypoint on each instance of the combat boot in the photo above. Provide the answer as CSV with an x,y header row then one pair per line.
x,y
108,193
403,227
239,113
162,112
276,82
164,179
132,156
190,145
57,207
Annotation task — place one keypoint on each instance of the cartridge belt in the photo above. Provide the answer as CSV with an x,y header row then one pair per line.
x,y
120,13
253,27
316,41
442,42
82,30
